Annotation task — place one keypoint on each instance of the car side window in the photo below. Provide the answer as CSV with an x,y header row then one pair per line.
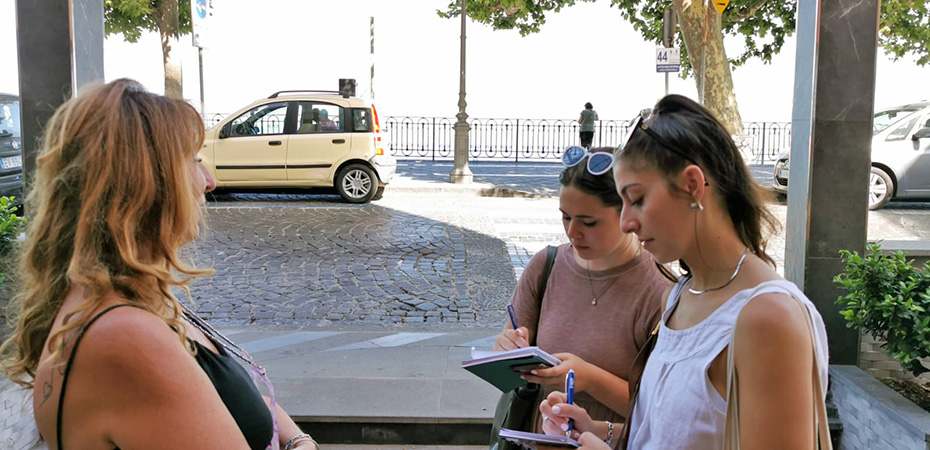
x,y
902,131
361,119
261,120
315,117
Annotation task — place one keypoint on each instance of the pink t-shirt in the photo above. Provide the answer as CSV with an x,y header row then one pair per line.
x,y
609,334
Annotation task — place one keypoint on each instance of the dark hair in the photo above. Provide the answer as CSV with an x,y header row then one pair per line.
x,y
588,106
602,186
693,129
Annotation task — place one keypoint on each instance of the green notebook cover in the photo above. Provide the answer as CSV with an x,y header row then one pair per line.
x,y
503,369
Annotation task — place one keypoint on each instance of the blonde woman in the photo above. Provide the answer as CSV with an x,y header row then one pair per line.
x,y
114,360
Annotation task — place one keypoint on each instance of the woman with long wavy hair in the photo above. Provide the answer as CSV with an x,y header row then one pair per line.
x,y
113,358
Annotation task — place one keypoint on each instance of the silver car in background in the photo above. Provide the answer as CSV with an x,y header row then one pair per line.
x,y
900,156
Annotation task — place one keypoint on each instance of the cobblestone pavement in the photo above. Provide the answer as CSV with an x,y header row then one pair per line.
x,y
316,264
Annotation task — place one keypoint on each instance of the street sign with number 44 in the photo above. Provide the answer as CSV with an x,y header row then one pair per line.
x,y
668,60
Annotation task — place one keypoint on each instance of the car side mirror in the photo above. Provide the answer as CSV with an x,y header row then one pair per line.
x,y
224,132
921,134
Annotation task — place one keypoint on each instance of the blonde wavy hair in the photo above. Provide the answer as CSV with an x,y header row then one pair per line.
x,y
111,205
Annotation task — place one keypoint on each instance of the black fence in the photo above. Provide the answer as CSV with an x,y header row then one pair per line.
x,y
539,139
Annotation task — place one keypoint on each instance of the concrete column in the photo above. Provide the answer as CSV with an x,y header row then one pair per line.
x,y
830,153
60,47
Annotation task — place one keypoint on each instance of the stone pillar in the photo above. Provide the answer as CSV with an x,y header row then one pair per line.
x,y
831,141
60,47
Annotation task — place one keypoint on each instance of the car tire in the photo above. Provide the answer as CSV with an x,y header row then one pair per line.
x,y
356,183
379,194
881,188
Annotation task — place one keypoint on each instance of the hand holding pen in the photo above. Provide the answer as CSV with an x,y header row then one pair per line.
x,y
512,338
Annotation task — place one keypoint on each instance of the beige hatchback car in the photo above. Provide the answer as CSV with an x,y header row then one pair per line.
x,y
301,139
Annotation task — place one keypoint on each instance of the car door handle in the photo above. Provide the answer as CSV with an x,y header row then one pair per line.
x,y
339,141
274,142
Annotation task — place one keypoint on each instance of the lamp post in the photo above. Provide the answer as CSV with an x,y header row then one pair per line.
x,y
461,173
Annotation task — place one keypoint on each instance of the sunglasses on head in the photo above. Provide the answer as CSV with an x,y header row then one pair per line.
x,y
599,163
639,124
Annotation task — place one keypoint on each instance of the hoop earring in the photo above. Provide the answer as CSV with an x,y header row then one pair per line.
x,y
697,206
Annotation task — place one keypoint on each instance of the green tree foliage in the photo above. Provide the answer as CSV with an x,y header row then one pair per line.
x,y
761,25
131,17
888,298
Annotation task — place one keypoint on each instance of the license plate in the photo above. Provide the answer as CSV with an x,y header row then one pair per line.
x,y
783,173
11,162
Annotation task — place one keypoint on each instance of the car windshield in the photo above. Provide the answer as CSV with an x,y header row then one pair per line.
x,y
884,119
9,118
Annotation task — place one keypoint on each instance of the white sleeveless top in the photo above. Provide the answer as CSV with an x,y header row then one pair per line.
x,y
677,406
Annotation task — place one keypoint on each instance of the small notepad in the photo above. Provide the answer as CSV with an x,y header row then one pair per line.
x,y
503,368
529,440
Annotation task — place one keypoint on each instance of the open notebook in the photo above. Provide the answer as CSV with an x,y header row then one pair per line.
x,y
529,440
503,368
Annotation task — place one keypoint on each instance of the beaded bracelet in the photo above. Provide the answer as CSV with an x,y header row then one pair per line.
x,y
610,432
300,438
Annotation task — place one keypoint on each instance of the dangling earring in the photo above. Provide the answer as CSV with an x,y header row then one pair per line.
x,y
697,206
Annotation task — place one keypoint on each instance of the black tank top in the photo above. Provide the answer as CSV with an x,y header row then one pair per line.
x,y
231,381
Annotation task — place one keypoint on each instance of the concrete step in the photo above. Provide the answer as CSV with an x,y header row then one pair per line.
x,y
387,387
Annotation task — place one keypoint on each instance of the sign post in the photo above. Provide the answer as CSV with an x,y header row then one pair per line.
x,y
200,13
669,23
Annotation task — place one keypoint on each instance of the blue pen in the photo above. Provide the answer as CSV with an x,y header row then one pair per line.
x,y
513,316
570,397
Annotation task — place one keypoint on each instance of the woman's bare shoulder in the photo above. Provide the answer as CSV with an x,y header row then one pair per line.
x,y
130,340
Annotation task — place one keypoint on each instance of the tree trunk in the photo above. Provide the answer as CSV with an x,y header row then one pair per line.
x,y
709,60
166,16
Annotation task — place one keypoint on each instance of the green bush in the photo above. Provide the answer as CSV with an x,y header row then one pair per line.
x,y
10,224
888,298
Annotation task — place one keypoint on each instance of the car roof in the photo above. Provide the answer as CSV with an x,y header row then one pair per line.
x,y
317,95
908,107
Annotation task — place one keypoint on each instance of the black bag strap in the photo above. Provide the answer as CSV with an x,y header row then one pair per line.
x,y
551,253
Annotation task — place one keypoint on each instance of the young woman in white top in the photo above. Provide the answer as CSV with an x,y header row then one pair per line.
x,y
688,196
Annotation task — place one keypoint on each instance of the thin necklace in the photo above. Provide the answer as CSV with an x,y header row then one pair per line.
x,y
594,295
732,277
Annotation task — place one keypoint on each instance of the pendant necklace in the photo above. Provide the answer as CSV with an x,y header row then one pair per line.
x,y
594,295
732,277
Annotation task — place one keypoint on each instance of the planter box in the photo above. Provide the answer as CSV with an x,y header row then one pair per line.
x,y
874,416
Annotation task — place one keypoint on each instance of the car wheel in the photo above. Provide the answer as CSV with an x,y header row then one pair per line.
x,y
379,194
881,188
356,183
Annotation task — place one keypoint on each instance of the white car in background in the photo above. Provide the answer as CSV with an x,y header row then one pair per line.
x,y
301,139
900,156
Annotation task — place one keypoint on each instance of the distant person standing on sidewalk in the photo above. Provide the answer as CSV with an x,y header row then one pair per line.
x,y
740,358
113,358
587,119
602,297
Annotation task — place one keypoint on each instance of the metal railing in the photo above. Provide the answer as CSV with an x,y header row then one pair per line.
x,y
539,139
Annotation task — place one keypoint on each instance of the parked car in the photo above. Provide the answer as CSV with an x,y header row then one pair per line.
x,y
301,139
900,156
11,149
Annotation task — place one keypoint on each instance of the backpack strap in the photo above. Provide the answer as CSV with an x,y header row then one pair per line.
x,y
544,279
551,253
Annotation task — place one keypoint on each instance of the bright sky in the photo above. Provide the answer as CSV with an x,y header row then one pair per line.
x,y
584,53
